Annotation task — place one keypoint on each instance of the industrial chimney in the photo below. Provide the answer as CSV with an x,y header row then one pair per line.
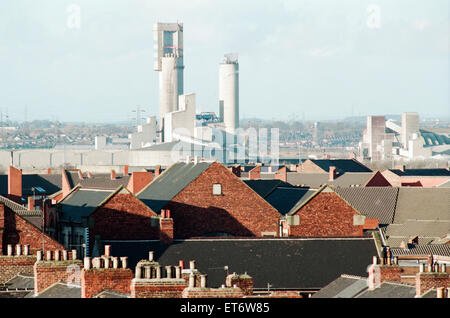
x,y
229,92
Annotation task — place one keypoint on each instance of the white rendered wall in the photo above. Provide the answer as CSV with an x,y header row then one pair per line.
x,y
181,121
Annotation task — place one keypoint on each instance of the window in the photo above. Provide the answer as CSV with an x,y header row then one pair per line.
x,y
217,189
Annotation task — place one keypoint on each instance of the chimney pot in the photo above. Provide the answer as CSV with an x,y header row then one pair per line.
x,y
18,249
177,272
106,259
49,255
422,268
181,264
158,272
147,272
39,255
87,263
332,173
124,260
430,268
443,268
10,250
74,254
163,214
65,255
150,256
203,281
395,260
138,272
440,292
56,255
192,265
115,262
169,271
26,249
191,281
167,214
374,260
113,174
107,250
96,262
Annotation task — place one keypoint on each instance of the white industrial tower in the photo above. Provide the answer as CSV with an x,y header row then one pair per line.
x,y
168,47
229,92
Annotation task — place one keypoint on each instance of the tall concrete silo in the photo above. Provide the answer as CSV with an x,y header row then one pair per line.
x,y
229,91
168,46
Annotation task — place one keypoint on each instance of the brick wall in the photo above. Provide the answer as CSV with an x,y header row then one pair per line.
x,y
19,231
124,217
239,211
213,293
244,282
326,215
139,180
377,180
427,280
166,230
14,184
157,288
96,280
49,272
309,166
10,266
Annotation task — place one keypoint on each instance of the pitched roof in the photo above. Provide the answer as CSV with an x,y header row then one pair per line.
x,y
432,249
421,172
82,202
49,183
265,187
390,290
104,181
422,204
282,263
285,198
345,286
60,290
342,165
317,179
373,202
21,281
173,180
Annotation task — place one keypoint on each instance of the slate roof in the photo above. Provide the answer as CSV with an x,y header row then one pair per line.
x,y
445,185
373,202
50,183
81,203
390,290
59,290
164,188
342,165
283,263
432,249
21,281
316,180
104,181
422,204
285,198
421,172
112,294
265,187
344,287
34,217
429,232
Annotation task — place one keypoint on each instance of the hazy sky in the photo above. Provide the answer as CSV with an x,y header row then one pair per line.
x,y
298,59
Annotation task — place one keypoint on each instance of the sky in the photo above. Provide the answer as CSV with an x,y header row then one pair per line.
x,y
92,60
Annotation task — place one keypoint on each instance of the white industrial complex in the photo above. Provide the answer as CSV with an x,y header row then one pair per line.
x,y
389,140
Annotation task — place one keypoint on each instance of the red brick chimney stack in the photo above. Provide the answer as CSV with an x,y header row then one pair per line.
x,y
332,173
125,170
14,184
30,203
113,174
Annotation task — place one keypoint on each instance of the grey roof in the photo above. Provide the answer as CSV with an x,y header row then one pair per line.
x,y
21,281
316,180
445,185
283,263
344,287
419,228
72,177
60,290
390,290
165,187
373,202
104,181
432,293
82,202
432,249
17,208
265,187
421,172
111,294
342,165
422,204
50,183
285,198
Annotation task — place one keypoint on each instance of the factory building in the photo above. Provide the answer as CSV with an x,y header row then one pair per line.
x,y
387,140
